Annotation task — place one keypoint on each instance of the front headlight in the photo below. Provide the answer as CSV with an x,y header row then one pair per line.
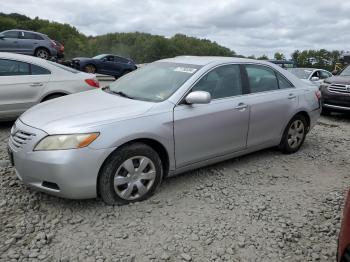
x,y
61,142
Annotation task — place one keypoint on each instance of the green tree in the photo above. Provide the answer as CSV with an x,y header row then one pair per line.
x,y
279,56
263,57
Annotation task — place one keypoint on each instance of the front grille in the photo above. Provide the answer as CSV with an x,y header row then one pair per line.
x,y
340,89
20,138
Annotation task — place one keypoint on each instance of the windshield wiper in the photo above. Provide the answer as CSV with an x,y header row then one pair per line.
x,y
119,93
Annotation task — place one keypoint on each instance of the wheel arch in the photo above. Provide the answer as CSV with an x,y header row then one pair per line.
x,y
306,116
153,143
47,95
42,47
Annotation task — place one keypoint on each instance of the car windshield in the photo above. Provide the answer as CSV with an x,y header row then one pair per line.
x,y
346,71
71,70
99,56
301,73
155,82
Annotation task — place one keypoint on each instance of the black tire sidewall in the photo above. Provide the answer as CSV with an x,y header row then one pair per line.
x,y
44,49
284,146
110,167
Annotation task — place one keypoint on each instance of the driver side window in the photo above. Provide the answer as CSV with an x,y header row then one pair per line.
x,y
223,81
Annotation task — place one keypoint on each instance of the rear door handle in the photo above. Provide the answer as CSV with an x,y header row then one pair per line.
x,y
292,96
241,106
36,84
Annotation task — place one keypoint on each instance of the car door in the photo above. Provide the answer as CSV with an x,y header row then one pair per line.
x,y
21,86
272,101
108,65
204,131
27,42
9,41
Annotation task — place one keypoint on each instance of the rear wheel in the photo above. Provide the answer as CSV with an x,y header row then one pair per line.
x,y
91,69
294,135
130,174
42,53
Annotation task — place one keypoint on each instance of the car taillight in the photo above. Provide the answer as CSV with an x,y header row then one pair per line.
x,y
318,94
92,82
53,44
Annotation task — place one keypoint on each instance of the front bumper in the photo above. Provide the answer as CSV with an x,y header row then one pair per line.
x,y
64,173
335,101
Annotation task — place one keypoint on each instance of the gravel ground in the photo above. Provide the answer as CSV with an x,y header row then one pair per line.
x,y
262,207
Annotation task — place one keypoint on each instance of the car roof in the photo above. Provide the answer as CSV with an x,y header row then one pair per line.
x,y
25,31
24,58
205,60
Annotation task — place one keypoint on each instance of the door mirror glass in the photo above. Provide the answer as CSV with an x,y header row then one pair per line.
x,y
2,36
315,78
198,97
104,59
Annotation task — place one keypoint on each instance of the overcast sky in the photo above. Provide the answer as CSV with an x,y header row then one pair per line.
x,y
245,26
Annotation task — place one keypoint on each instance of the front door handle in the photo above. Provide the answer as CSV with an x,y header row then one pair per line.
x,y
241,106
36,84
292,96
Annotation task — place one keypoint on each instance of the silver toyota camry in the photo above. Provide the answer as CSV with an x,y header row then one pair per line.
x,y
168,117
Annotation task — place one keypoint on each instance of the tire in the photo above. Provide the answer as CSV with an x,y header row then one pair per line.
x,y
91,69
50,97
326,112
294,135
123,164
42,53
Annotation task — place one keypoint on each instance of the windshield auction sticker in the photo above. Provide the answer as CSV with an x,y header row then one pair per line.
x,y
187,70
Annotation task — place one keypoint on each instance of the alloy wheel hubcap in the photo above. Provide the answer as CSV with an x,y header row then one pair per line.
x,y
134,178
43,54
296,134
90,69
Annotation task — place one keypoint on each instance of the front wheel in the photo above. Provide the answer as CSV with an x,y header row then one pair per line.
x,y
294,135
130,174
91,69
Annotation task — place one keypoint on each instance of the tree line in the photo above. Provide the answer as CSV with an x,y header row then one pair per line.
x,y
141,47
144,48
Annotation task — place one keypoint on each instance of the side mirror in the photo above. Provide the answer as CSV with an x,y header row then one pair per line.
x,y
104,59
2,36
198,97
315,78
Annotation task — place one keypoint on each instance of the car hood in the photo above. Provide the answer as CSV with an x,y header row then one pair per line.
x,y
83,110
342,80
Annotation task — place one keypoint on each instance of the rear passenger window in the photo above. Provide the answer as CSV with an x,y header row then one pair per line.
x,y
26,35
121,60
224,81
13,68
261,78
283,82
38,70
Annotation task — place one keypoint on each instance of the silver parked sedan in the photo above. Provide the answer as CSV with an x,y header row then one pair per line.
x,y
166,118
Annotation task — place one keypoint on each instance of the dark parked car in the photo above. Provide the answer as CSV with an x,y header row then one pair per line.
x,y
344,235
105,64
28,43
336,93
